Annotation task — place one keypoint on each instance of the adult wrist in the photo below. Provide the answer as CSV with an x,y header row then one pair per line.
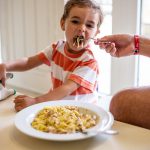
x,y
136,44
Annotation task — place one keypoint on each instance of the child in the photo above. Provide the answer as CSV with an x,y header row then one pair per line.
x,y
74,68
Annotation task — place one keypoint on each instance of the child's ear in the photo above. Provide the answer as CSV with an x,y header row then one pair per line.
x,y
62,24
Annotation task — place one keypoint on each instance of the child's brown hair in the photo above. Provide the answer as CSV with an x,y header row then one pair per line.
x,y
82,3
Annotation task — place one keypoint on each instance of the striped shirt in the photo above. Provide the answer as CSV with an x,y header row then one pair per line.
x,y
81,68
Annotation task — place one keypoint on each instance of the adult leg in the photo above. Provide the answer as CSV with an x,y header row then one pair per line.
x,y
132,106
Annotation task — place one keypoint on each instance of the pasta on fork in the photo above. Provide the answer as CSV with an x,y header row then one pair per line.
x,y
78,41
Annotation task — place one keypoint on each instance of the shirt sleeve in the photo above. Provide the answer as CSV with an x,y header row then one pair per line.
x,y
46,55
86,74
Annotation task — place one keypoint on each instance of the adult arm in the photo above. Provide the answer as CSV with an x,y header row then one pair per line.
x,y
123,45
132,106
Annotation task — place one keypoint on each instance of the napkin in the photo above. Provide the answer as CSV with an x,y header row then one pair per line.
x,y
4,92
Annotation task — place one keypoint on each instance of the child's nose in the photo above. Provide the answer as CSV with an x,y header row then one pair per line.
x,y
82,28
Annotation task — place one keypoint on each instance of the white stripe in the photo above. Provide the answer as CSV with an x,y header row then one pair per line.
x,y
48,53
59,73
86,73
86,57
48,50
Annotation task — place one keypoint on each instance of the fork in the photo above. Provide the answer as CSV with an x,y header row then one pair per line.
x,y
106,129
104,42
109,132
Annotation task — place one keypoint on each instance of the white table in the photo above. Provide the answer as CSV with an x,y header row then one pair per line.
x,y
129,138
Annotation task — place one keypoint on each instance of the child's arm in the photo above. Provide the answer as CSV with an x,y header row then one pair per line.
x,y
23,64
67,88
60,92
19,65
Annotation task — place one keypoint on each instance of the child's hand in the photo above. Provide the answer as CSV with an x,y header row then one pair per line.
x,y
23,101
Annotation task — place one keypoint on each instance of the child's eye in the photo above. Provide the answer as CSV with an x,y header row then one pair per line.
x,y
75,21
90,25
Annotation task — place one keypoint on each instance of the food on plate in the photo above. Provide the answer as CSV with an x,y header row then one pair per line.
x,y
64,119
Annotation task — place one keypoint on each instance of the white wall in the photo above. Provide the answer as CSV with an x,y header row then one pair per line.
x,y
125,19
26,27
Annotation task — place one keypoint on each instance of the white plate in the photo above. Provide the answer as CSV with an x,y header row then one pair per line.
x,y
24,118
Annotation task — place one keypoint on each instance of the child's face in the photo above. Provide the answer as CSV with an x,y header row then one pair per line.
x,y
81,22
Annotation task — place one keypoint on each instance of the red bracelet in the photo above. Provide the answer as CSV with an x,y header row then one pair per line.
x,y
136,44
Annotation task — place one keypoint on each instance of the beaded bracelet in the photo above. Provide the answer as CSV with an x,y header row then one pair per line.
x,y
136,44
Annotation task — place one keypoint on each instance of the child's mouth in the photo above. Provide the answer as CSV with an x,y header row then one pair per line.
x,y
78,41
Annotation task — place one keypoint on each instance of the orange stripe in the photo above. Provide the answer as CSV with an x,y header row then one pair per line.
x,y
64,62
81,90
91,64
73,55
82,82
56,82
61,60
54,46
43,58
70,65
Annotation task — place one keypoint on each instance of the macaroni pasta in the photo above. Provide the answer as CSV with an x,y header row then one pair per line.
x,y
63,119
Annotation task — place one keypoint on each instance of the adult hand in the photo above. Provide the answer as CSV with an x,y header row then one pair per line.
x,y
119,45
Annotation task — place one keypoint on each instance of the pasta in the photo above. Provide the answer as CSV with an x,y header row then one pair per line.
x,y
63,119
78,41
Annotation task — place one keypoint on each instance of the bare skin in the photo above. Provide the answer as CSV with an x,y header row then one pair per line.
x,y
132,106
